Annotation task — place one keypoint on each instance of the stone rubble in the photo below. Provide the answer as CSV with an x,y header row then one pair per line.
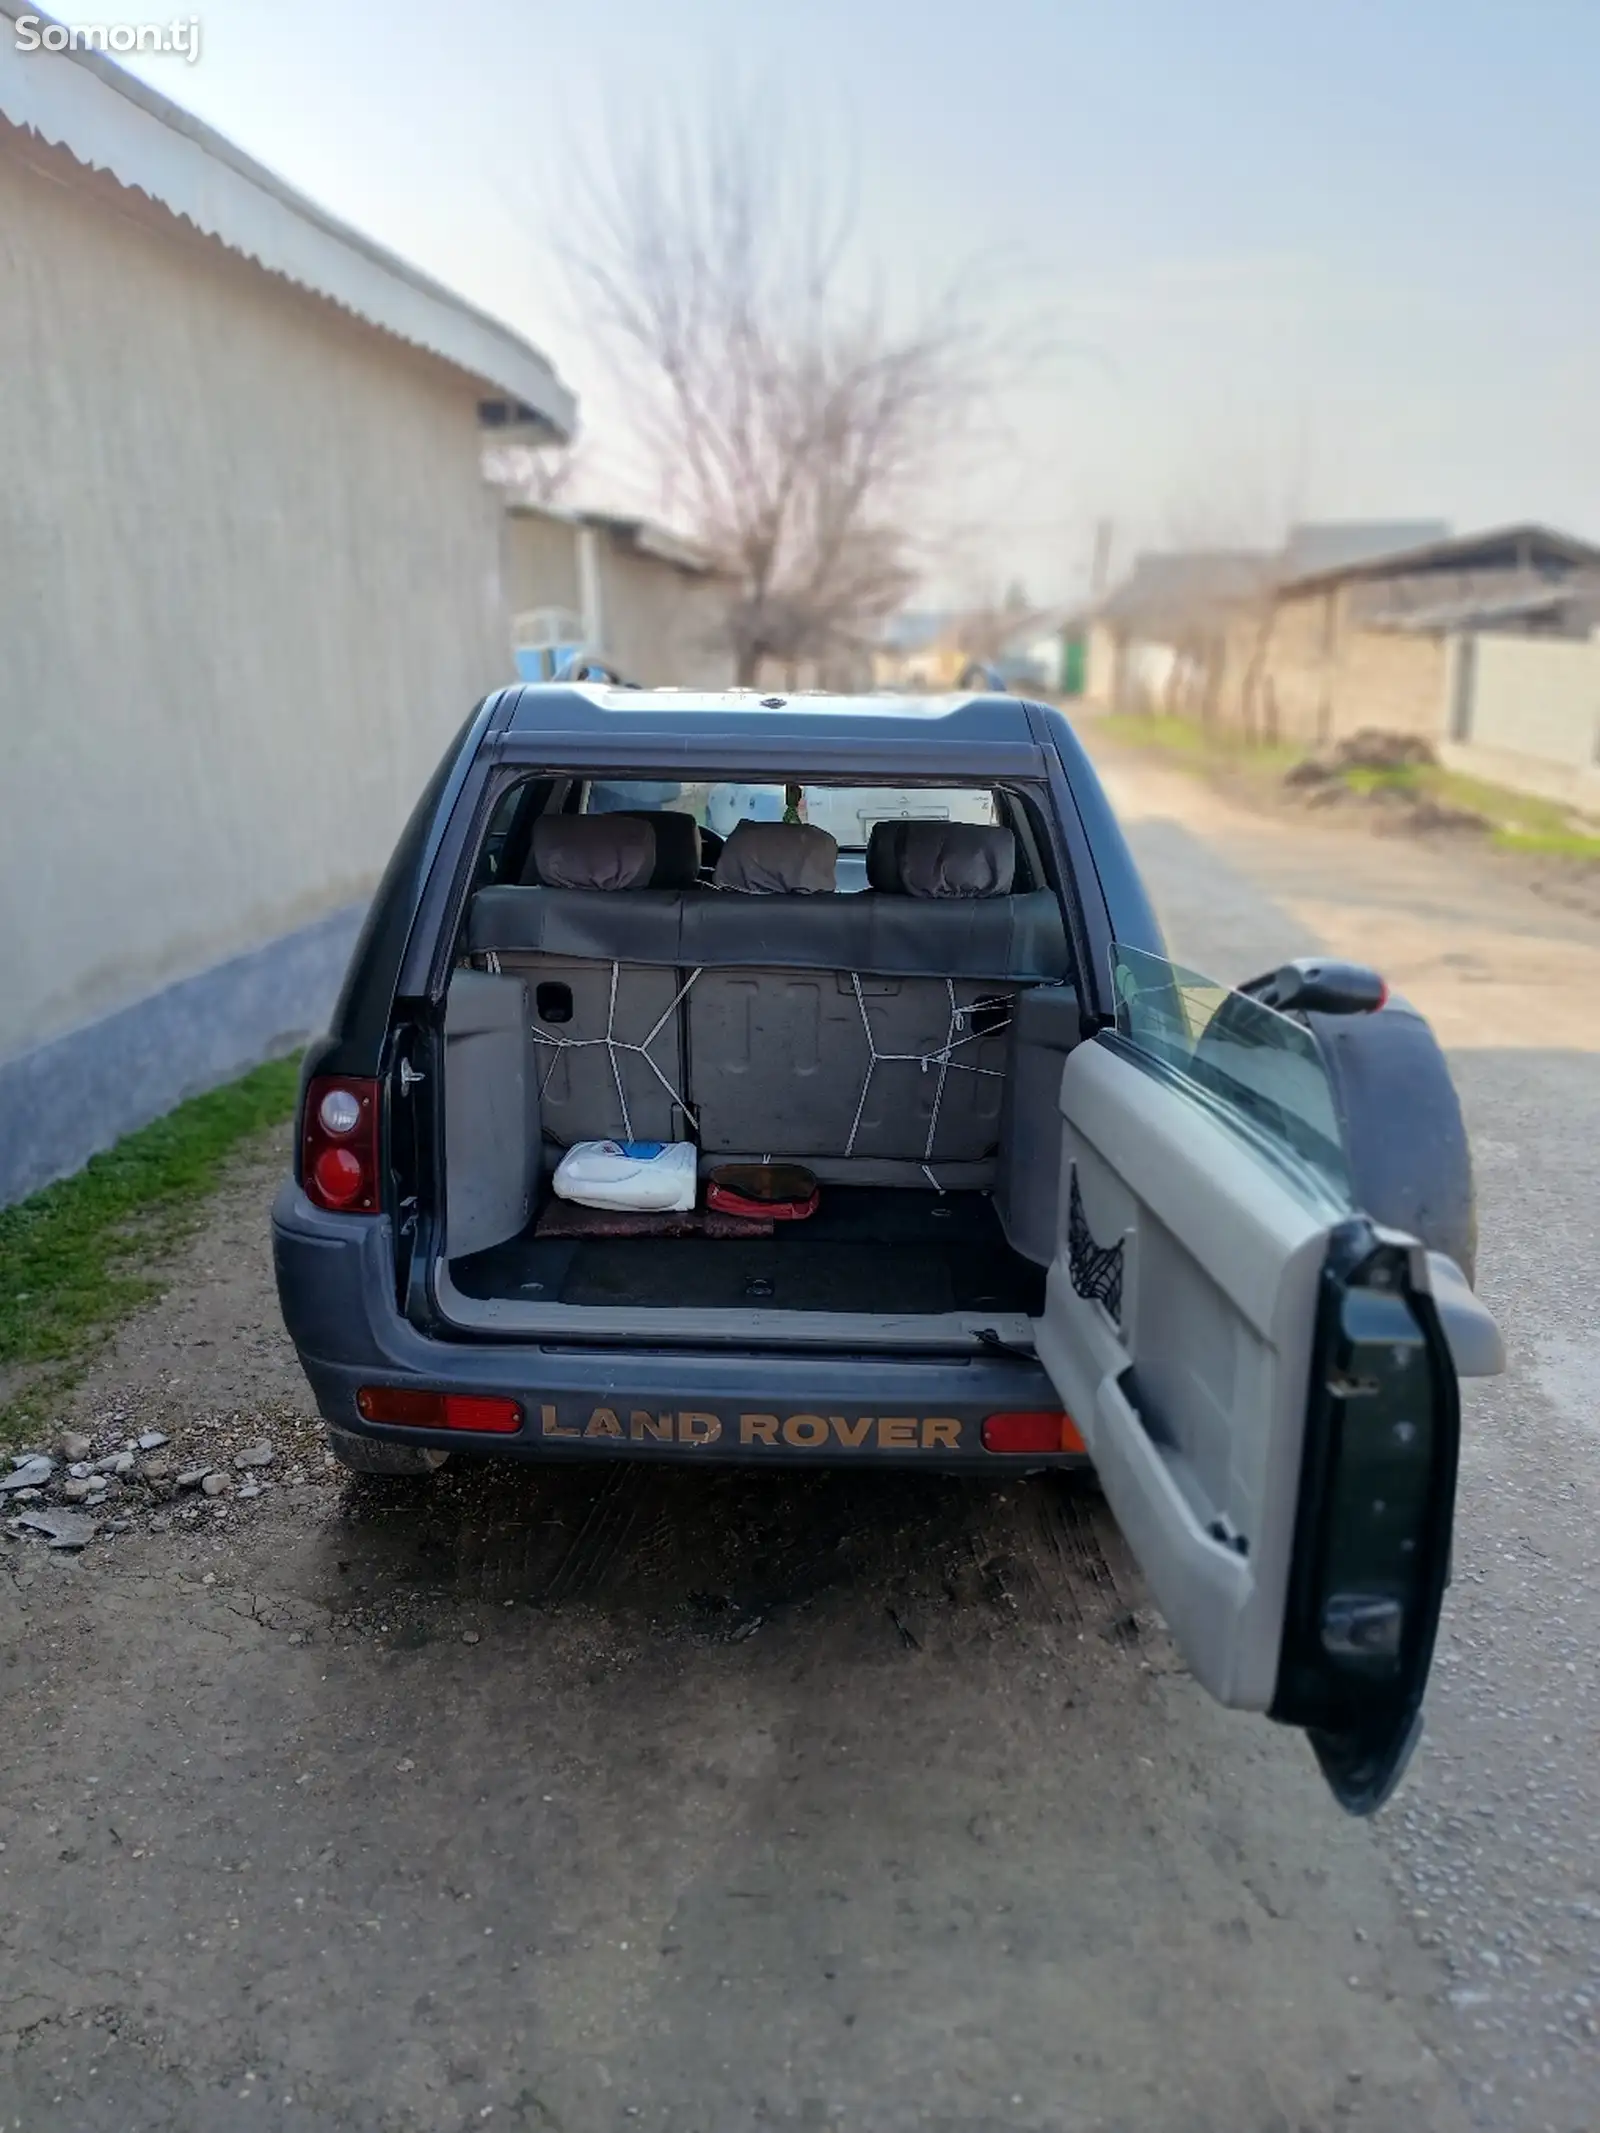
x,y
31,1471
63,1529
135,1460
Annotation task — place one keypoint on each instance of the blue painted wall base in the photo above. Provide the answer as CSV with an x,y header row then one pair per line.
x,y
70,1098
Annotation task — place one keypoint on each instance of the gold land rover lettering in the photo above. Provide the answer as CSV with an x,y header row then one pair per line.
x,y
807,1433
851,1434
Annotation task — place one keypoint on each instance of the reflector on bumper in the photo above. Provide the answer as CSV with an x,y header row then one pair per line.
x,y
408,1409
1046,1431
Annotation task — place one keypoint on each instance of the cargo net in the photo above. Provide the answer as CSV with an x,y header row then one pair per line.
x,y
1096,1269
944,1062
614,1046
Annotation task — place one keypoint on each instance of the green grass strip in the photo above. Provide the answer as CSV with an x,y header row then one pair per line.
x,y
76,1258
1513,821
1549,844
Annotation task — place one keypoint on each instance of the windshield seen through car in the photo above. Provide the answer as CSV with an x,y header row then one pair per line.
x,y
847,812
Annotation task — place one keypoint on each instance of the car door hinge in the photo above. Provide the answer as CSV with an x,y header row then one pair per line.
x,y
409,1077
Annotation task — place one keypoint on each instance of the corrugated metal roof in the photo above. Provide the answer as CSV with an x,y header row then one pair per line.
x,y
659,542
109,121
1521,547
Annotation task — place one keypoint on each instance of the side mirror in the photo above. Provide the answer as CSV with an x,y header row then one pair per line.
x,y
1317,985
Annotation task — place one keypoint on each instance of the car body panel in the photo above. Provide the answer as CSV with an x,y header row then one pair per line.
x,y
336,1283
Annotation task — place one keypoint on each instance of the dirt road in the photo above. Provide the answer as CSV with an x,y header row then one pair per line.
x,y
711,1802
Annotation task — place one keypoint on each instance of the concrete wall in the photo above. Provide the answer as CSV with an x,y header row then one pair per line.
x,y
1530,697
662,624
541,563
250,588
1393,679
1305,673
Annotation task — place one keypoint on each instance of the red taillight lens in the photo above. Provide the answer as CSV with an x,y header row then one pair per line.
x,y
1049,1431
339,1145
439,1410
338,1176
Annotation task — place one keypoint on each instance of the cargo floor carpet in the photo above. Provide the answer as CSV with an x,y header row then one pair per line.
x,y
866,1249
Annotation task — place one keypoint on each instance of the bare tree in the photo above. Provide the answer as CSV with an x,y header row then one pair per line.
x,y
798,425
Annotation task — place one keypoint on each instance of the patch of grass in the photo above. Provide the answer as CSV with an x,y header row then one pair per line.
x,y
1404,777
1550,844
75,1258
1514,821
1202,747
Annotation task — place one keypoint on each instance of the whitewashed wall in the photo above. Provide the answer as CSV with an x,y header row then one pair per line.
x,y
249,587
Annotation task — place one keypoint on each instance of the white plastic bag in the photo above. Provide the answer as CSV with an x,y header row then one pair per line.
x,y
655,1177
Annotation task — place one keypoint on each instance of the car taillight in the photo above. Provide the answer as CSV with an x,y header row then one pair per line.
x,y
438,1410
1048,1430
339,1145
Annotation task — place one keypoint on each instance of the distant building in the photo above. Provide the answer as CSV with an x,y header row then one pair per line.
x,y
919,652
1369,642
647,601
1153,640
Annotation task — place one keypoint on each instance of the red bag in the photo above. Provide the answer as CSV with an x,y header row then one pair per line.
x,y
774,1192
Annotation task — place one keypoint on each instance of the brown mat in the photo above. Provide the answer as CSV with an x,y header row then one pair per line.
x,y
564,1218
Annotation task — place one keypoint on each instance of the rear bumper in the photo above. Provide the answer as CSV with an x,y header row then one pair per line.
x,y
336,1289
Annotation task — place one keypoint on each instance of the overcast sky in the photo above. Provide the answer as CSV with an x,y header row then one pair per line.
x,y
1331,260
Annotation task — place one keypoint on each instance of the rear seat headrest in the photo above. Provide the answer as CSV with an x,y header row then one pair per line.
x,y
592,852
677,847
778,859
941,859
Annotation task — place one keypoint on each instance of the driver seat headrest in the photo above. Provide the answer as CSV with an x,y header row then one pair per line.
x,y
592,852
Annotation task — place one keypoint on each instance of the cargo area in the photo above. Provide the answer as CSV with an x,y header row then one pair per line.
x,y
869,1249
902,1039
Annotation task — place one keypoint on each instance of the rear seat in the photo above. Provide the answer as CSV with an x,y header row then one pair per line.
x,y
865,1028
850,1062
589,877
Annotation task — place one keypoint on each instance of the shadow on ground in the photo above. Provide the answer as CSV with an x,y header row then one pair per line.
x,y
720,1553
